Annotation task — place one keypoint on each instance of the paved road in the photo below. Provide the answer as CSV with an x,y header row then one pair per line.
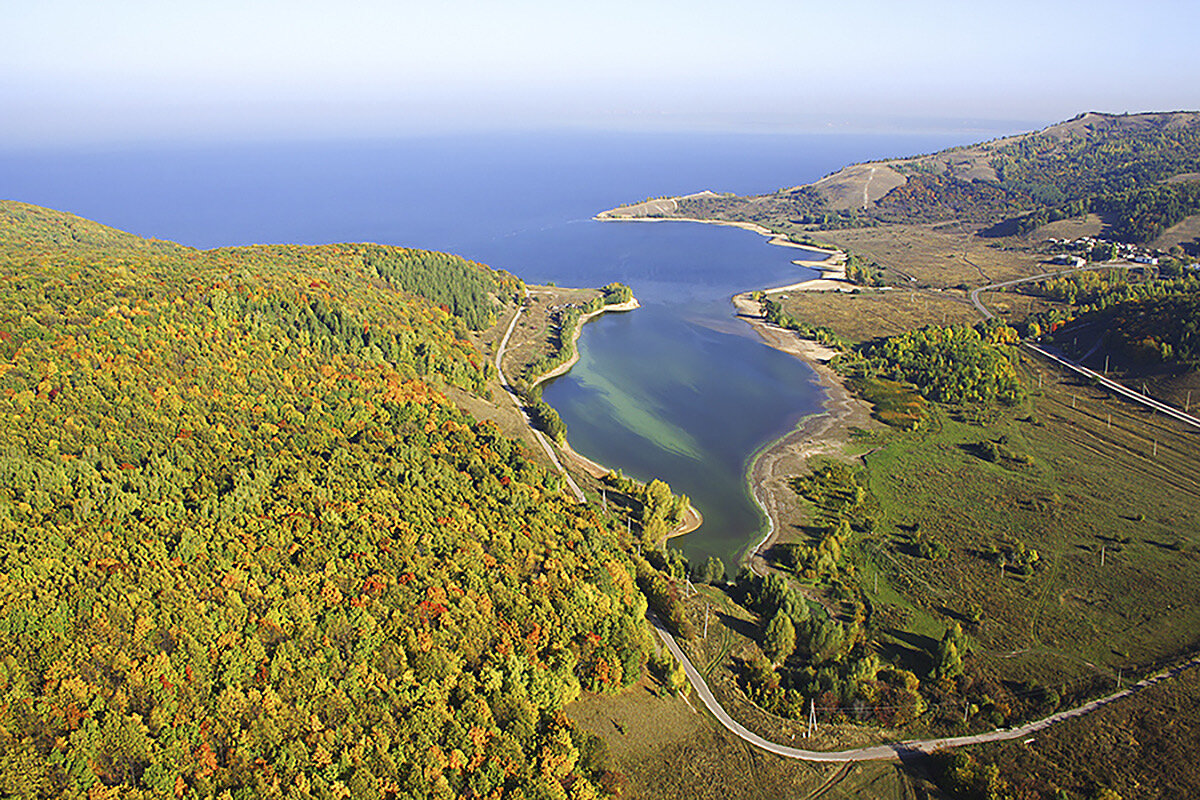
x,y
1079,369
896,750
541,438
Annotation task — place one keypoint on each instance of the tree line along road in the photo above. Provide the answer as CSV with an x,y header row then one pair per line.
x,y
897,750
1079,369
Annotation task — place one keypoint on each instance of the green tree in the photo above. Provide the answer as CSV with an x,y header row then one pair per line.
x,y
713,570
947,659
779,638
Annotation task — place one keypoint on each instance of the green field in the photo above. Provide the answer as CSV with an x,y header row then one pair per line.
x,y
1088,485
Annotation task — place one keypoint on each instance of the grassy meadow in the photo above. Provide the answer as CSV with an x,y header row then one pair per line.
x,y
1080,473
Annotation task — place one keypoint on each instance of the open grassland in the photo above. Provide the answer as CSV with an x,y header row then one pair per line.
x,y
866,314
1083,478
938,256
1186,234
1142,747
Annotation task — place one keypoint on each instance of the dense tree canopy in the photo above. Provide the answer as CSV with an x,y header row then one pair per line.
x,y
952,364
247,545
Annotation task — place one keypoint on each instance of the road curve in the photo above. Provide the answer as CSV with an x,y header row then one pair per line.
x,y
893,751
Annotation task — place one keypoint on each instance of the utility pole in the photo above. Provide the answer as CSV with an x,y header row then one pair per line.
x,y
707,608
604,499
1101,555
812,718
1105,363
1188,405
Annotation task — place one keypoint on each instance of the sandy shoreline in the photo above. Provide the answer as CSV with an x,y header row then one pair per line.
x,y
823,433
832,268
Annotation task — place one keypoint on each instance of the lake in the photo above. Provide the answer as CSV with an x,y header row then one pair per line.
x,y
678,390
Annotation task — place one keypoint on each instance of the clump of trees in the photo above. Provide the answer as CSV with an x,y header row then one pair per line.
x,y
657,510
953,364
841,507
863,272
811,657
546,418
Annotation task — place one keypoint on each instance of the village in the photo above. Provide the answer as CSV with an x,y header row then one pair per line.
x,y
1093,249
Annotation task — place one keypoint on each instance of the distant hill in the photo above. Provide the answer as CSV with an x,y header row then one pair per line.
x,y
1140,168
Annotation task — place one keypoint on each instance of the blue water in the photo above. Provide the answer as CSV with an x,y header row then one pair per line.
x,y
678,390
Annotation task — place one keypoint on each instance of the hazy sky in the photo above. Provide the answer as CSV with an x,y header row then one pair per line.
x,y
94,70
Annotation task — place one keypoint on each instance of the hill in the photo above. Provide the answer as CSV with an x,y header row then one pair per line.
x,y
248,547
1127,165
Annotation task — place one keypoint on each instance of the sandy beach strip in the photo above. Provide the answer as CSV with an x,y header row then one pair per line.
x,y
823,433
832,268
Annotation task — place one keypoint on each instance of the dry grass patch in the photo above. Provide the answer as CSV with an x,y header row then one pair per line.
x,y
1073,228
1186,234
940,256
1142,746
863,315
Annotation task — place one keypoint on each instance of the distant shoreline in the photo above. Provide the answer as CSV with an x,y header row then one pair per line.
x,y
832,268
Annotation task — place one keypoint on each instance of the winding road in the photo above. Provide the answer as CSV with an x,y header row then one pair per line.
x,y
893,751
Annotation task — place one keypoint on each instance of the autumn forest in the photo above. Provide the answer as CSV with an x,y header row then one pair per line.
x,y
247,545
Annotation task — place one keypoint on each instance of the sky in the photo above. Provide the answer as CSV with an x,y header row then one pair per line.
x,y
75,71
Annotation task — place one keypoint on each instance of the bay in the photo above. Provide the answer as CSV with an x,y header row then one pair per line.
x,y
678,390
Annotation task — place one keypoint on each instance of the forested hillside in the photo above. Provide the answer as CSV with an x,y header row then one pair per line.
x,y
1139,170
246,545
